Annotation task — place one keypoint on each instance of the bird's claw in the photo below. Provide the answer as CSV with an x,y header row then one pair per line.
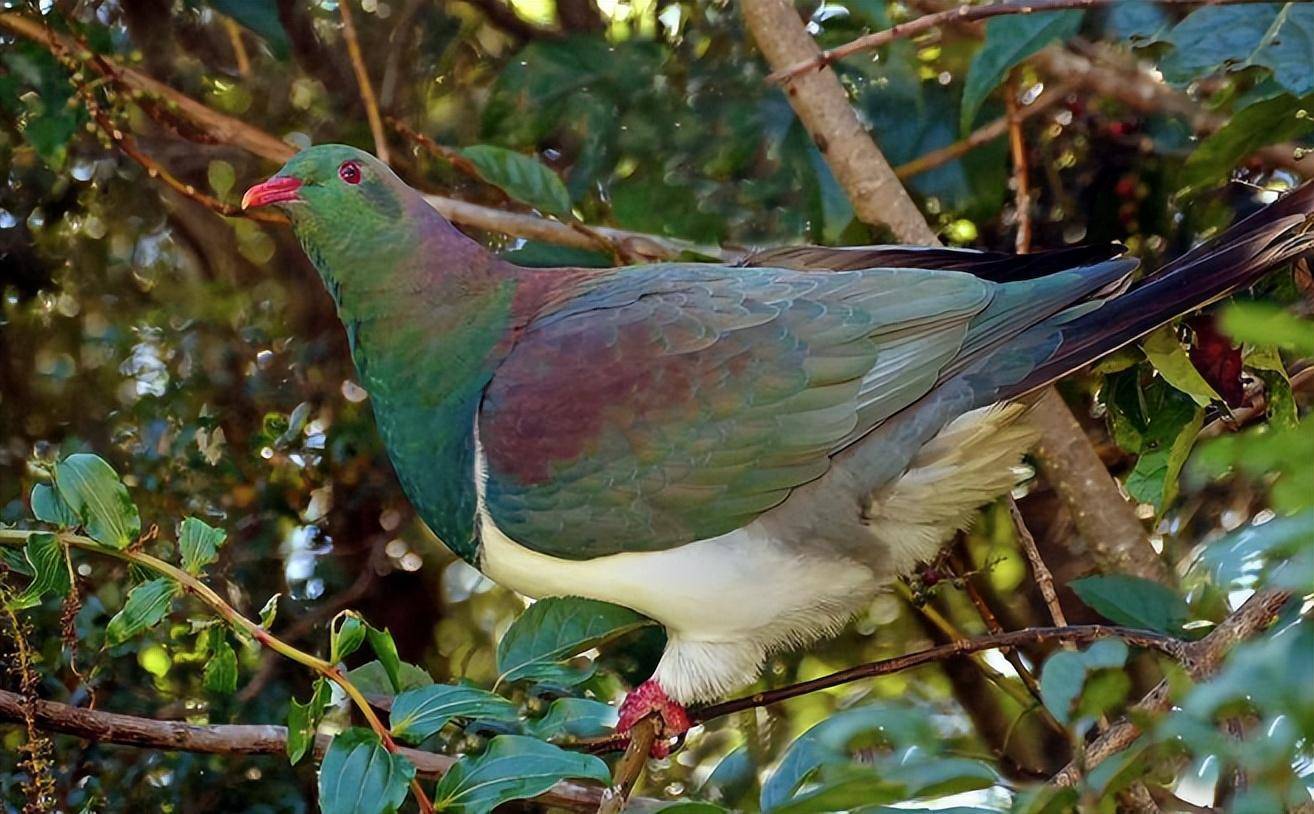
x,y
650,699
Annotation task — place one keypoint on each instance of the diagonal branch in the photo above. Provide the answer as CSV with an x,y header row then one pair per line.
x,y
959,14
1201,660
363,82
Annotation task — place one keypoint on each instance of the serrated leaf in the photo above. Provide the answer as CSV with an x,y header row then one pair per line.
x,y
45,559
199,544
48,508
1009,40
416,714
386,649
1169,357
147,604
359,776
522,177
303,720
1134,602
93,491
221,668
557,628
346,634
514,767
568,718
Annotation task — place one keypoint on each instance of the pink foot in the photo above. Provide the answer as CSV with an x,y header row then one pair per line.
x,y
649,698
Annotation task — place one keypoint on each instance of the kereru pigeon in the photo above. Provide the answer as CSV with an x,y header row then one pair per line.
x,y
746,454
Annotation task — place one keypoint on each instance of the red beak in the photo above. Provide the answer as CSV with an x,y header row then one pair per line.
x,y
275,190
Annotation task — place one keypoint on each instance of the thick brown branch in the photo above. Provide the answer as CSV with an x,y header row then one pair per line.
x,y
228,739
960,14
1201,660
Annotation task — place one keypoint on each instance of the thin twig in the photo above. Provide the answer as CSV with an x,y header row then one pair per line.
x,y
962,647
629,767
994,627
954,15
363,81
1021,182
1044,578
984,134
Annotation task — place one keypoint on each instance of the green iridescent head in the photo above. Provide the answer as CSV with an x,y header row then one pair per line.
x,y
348,209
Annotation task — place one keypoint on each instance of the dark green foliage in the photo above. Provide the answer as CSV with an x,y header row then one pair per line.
x,y
194,355
358,776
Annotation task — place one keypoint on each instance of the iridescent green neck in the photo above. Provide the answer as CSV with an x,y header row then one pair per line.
x,y
426,318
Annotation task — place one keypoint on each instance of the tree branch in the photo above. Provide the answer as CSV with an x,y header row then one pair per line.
x,y
823,107
196,587
1201,660
960,14
228,739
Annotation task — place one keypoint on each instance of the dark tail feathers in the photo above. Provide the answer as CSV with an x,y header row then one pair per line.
x,y
1271,237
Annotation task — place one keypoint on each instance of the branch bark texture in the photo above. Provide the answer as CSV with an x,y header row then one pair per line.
x,y
823,106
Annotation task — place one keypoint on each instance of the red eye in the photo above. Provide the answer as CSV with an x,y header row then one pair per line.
x,y
349,171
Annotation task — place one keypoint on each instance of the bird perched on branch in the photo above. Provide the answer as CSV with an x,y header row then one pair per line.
x,y
745,454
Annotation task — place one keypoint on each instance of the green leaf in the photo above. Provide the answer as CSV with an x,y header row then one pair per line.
x,y
261,17
386,649
1265,362
92,490
522,177
1266,324
221,667
1065,673
359,776
346,634
1134,602
834,741
45,558
303,720
557,628
1277,36
1255,126
48,508
1009,40
146,606
514,767
221,176
269,611
1154,479
570,718
371,679
1169,357
416,714
199,544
